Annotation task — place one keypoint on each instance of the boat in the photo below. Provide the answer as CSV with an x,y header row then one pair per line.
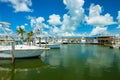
x,y
53,46
21,51
114,46
48,44
65,41
9,49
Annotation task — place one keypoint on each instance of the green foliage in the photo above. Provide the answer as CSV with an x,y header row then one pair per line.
x,y
21,31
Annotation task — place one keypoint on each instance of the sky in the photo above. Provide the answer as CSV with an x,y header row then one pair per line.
x,y
63,17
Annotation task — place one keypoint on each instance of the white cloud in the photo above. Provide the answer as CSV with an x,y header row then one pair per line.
x,y
54,19
40,20
118,18
96,19
100,22
99,30
22,26
66,24
20,5
75,16
39,23
95,10
71,20
56,30
118,27
26,24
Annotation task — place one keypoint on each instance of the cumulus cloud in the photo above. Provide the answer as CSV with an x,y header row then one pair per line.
x,y
38,23
54,20
22,26
40,19
96,19
99,21
67,24
75,15
56,30
70,21
118,18
118,27
99,30
20,5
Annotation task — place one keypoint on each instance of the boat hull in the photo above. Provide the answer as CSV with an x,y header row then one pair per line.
x,y
51,46
22,52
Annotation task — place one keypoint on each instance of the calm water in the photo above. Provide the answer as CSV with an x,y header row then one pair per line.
x,y
71,62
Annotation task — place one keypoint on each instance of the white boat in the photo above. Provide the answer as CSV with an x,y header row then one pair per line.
x,y
21,51
51,45
65,41
115,46
16,51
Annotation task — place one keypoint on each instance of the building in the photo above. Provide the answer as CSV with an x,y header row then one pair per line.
x,y
105,39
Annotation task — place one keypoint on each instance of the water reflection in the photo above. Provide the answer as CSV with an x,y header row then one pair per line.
x,y
20,70
71,62
53,58
89,60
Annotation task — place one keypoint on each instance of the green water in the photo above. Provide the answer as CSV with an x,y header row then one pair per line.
x,y
71,62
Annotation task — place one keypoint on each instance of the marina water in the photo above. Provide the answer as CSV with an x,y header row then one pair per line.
x,y
70,62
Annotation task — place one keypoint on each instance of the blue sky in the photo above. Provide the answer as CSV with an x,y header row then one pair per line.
x,y
63,17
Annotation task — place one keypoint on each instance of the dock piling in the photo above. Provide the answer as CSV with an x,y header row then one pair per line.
x,y
13,49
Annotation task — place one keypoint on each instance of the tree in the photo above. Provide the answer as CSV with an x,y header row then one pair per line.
x,y
29,36
21,32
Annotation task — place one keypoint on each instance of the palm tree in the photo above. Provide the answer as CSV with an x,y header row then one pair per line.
x,y
29,36
21,31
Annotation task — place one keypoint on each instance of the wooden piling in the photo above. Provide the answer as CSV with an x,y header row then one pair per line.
x,y
13,49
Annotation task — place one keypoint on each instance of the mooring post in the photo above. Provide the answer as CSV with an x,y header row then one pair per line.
x,y
13,49
40,41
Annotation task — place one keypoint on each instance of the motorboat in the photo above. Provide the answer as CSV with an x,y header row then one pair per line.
x,y
21,51
9,48
48,44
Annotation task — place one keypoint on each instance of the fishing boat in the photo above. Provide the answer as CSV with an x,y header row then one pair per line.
x,y
10,50
21,51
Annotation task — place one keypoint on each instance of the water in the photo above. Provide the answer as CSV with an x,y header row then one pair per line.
x,y
71,62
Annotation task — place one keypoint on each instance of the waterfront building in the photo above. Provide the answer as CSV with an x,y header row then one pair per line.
x,y
105,40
